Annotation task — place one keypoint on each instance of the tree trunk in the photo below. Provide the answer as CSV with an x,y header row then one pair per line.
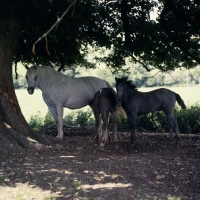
x,y
14,130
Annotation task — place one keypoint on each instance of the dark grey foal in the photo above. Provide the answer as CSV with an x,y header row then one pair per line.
x,y
105,101
137,103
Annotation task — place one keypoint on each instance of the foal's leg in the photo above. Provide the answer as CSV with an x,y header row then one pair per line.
x,y
176,130
97,122
173,126
108,129
114,126
104,116
97,118
132,124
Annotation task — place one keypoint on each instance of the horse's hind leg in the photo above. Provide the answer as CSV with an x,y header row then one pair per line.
x,y
104,116
97,126
114,126
173,127
176,130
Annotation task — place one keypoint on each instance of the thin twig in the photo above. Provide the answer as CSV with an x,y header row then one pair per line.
x,y
52,27
136,60
47,45
16,74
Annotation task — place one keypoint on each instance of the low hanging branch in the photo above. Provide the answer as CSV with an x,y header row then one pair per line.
x,y
52,27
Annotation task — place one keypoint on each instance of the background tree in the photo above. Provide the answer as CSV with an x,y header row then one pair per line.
x,y
123,27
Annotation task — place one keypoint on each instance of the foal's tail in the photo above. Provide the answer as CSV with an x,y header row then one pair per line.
x,y
180,101
121,114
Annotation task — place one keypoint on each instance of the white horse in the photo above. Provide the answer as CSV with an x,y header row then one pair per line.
x,y
59,90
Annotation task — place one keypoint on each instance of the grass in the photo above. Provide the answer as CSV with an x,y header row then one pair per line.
x,y
25,191
1,179
35,105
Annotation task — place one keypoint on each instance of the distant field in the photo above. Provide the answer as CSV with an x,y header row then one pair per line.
x,y
34,104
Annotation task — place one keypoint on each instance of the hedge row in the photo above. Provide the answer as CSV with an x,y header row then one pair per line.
x,y
188,120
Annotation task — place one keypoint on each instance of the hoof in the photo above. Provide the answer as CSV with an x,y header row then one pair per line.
x,y
167,145
131,144
176,145
102,144
169,142
59,137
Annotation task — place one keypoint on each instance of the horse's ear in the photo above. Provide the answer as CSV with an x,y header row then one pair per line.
x,y
116,79
26,66
126,78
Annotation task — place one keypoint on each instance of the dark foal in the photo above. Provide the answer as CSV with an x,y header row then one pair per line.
x,y
105,101
137,103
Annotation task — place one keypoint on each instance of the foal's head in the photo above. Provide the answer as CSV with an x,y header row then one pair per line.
x,y
121,83
32,79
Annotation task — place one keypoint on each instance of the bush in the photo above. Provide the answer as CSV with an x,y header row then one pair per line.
x,y
36,122
70,119
84,118
48,119
188,120
78,118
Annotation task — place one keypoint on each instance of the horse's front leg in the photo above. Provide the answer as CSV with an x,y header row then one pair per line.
x,y
54,113
59,109
98,126
132,124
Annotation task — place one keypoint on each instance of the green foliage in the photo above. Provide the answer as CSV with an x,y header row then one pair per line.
x,y
79,118
36,122
69,119
19,82
2,179
84,118
48,119
125,28
188,120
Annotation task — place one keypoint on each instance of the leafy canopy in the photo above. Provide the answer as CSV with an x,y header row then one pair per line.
x,y
122,27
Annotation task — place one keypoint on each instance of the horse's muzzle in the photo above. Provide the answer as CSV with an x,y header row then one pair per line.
x,y
30,90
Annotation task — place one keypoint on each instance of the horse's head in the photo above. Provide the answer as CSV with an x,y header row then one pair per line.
x,y
120,84
32,79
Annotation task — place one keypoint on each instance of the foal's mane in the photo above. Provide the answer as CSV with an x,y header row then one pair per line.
x,y
127,82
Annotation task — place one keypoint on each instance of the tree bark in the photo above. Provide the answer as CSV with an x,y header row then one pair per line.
x,y
14,130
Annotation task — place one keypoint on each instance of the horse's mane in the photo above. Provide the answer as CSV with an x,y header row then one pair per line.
x,y
47,68
129,83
